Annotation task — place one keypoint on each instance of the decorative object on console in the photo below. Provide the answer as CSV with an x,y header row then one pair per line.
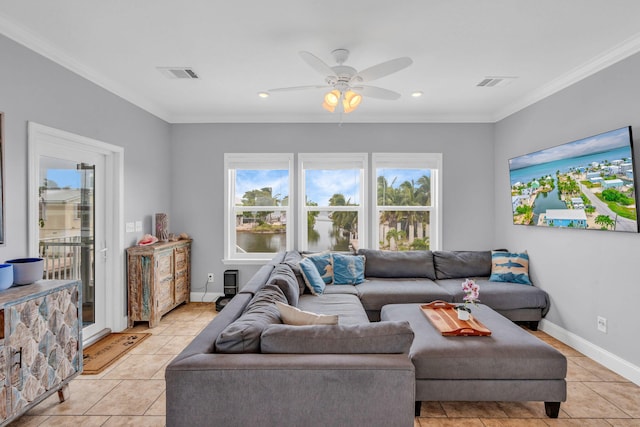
x,y
26,270
510,267
563,186
6,276
147,239
162,227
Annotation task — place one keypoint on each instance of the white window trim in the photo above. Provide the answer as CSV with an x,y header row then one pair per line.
x,y
332,161
431,161
233,161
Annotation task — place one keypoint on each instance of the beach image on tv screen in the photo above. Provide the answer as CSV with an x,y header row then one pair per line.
x,y
585,184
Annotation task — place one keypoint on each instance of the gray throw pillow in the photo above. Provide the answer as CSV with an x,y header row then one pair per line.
x,y
292,259
243,335
462,264
367,338
283,277
401,264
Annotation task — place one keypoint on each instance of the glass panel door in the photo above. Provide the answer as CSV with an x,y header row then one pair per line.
x,y
67,228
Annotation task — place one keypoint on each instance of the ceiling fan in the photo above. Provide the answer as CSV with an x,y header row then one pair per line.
x,y
344,82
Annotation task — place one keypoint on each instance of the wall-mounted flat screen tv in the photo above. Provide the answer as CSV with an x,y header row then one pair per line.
x,y
587,184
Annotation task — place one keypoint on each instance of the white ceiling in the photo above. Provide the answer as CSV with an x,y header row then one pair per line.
x,y
239,48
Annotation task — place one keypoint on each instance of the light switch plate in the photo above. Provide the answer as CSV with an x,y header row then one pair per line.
x,y
138,225
130,227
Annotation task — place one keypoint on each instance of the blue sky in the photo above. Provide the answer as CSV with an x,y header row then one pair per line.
x,y
593,144
320,184
64,177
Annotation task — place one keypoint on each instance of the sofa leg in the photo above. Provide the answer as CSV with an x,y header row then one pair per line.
x,y
552,409
532,325
418,406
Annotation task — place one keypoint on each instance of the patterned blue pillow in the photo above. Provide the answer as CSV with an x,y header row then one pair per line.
x,y
322,261
348,269
510,267
311,276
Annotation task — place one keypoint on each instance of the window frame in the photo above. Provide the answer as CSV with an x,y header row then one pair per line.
x,y
257,161
432,161
332,161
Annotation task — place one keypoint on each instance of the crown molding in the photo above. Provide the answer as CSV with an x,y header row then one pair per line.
x,y
323,117
606,59
42,47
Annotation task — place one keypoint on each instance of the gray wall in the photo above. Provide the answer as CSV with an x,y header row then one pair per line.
x,y
587,273
33,88
198,197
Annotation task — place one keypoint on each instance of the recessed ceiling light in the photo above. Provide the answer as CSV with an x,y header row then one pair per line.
x,y
417,94
263,94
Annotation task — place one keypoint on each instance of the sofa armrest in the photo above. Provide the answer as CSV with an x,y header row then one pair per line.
x,y
291,390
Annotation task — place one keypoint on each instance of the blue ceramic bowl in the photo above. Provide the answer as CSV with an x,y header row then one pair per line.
x,y
26,270
6,276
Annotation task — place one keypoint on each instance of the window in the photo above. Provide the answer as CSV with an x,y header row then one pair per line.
x,y
257,193
333,205
332,216
407,207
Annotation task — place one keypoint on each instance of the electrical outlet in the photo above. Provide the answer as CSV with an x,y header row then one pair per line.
x,y
602,324
210,278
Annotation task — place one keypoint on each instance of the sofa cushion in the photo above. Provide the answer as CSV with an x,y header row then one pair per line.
x,y
454,264
510,267
243,335
501,295
312,277
402,264
292,258
295,316
348,307
376,292
322,261
283,277
347,269
376,338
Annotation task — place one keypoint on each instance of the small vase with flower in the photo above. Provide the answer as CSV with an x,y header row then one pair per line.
x,y
472,292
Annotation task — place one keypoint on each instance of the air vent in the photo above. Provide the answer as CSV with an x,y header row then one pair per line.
x,y
495,81
178,72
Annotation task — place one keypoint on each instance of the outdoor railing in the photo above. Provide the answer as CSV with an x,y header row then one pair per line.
x,y
61,257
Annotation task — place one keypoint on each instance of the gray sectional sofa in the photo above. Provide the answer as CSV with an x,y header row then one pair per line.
x,y
247,368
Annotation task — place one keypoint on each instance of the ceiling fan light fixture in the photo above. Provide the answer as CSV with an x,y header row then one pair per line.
x,y
331,100
351,101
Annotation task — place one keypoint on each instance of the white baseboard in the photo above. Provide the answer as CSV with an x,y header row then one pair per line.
x,y
600,355
205,296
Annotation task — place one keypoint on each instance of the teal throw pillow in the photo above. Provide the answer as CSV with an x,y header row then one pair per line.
x,y
311,276
510,267
348,269
322,261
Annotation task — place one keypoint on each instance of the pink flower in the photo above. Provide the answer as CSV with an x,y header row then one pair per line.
x,y
472,291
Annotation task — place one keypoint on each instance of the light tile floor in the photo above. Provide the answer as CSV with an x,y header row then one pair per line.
x,y
132,391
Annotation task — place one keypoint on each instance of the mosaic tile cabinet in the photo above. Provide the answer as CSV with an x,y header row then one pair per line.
x,y
40,344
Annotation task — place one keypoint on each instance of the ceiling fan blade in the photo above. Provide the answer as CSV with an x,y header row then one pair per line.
x,y
376,92
316,63
288,89
383,69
